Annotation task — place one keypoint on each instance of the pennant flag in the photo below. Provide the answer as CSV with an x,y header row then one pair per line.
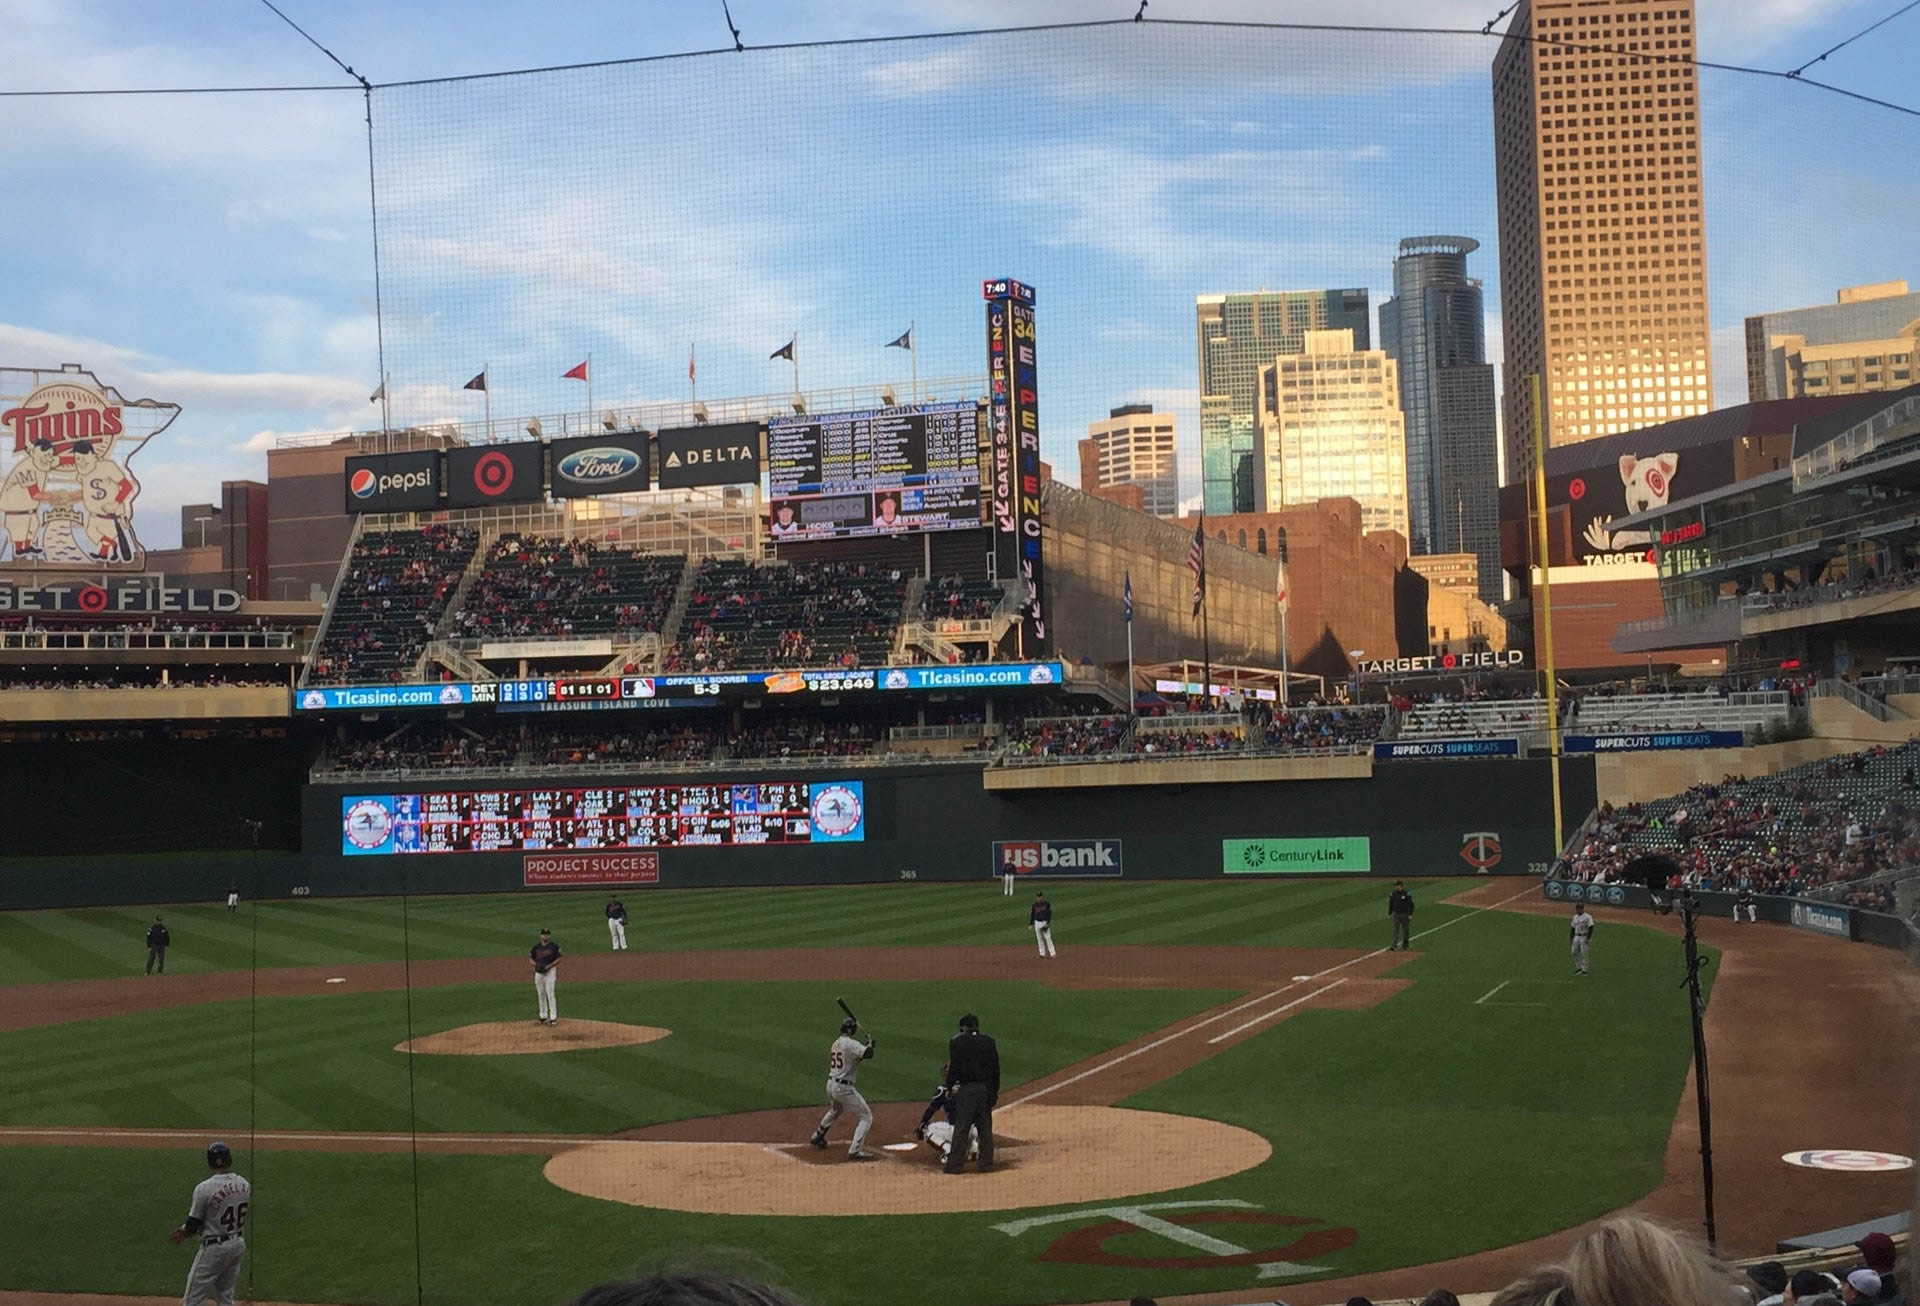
x,y
784,351
575,373
478,383
690,362
904,342
379,393
1197,563
1126,595
1280,594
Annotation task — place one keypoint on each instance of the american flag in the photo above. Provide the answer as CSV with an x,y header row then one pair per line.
x,y
1197,563
1126,594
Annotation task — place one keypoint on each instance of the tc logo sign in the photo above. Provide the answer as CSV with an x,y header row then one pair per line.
x,y
1058,858
1480,850
1204,1251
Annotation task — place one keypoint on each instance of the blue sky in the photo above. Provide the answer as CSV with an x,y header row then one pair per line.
x,y
216,251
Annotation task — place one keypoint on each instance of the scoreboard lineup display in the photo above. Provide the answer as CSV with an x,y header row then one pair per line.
x,y
624,817
881,472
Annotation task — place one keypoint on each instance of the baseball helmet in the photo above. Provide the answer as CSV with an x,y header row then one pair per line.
x,y
219,1154
848,1025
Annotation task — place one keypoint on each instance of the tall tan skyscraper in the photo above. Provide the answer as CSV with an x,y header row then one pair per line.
x,y
1133,446
1603,263
1331,427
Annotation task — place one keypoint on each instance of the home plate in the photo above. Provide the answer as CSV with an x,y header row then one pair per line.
x,y
338,979
900,1147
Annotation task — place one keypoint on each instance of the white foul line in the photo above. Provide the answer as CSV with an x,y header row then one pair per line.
x,y
1179,1033
1490,992
1269,1015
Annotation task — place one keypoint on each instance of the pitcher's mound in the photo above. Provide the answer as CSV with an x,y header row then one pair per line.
x,y
1058,1155
501,1038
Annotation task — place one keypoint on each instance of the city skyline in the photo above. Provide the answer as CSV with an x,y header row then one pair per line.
x,y
1154,164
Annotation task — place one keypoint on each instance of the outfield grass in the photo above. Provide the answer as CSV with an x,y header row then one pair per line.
x,y
1434,1124
91,942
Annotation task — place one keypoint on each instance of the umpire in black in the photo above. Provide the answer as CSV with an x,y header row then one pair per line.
x,y
973,1073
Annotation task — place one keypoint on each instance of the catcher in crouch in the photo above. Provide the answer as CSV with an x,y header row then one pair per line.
x,y
938,1134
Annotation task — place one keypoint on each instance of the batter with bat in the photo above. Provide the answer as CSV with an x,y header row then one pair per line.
x,y
843,1068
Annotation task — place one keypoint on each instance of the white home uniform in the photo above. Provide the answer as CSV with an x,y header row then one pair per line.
x,y
843,1068
1006,884
1581,931
220,1204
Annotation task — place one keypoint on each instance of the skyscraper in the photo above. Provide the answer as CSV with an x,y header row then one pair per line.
x,y
1134,446
1435,328
1867,340
1331,427
1602,238
1239,335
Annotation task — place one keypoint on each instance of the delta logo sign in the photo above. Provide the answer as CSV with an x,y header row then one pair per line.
x,y
67,488
1048,859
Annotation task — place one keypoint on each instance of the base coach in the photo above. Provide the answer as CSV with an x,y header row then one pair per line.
x,y
973,1074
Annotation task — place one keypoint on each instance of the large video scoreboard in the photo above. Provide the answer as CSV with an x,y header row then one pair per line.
x,y
884,471
629,816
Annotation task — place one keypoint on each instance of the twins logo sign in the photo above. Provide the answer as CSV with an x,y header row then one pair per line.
x,y
1059,859
1480,850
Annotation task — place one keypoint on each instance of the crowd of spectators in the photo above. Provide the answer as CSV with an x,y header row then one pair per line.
x,y
1828,822
149,678
1315,727
395,590
800,736
1188,740
420,746
953,598
1072,736
592,747
536,588
1867,584
741,616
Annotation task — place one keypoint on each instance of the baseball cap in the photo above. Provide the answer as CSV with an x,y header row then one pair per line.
x,y
1770,1276
1877,1250
969,1021
1864,1282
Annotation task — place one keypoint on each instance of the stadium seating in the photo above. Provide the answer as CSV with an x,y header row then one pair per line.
x,y
1599,714
1063,736
1499,718
1317,728
395,590
1834,821
535,588
742,616
951,598
800,737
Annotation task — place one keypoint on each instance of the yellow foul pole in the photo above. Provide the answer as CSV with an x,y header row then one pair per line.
x,y
1543,619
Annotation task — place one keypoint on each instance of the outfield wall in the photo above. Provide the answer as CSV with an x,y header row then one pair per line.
x,y
940,823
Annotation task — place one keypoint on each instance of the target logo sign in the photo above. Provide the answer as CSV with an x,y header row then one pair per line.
x,y
493,474
1577,489
1848,1159
91,598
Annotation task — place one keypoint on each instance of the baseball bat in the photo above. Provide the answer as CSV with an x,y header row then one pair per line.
x,y
849,1010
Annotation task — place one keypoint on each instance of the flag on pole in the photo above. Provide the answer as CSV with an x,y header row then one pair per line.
x,y
1126,594
784,351
478,383
1197,563
904,342
379,393
575,373
1280,593
690,362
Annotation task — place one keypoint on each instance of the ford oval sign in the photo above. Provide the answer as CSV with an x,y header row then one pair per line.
x,y
599,466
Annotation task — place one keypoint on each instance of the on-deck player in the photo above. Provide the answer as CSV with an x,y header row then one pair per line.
x,y
617,923
545,956
843,1068
1581,931
1040,916
217,1216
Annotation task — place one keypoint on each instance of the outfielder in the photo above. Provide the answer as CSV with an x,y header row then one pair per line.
x,y
233,895
218,1217
1581,931
843,1068
545,956
617,923
1040,916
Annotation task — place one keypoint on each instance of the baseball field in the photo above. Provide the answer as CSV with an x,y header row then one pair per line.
x,y
1214,1088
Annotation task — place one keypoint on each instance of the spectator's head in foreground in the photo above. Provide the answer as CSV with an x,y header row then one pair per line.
x,y
1440,1297
1861,1285
703,1288
1635,1262
1769,1279
1805,1285
1876,1249
1546,1286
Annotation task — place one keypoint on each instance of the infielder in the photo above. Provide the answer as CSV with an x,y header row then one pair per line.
x,y
617,923
843,1068
545,956
1040,916
1581,931
218,1218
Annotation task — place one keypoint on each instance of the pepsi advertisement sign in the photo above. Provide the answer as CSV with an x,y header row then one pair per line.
x,y
606,464
494,473
393,482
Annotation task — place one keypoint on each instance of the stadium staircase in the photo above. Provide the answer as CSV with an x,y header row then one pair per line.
x,y
333,594
441,647
676,616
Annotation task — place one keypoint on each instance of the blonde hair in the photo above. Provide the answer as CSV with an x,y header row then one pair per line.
x,y
1546,1286
1634,1262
